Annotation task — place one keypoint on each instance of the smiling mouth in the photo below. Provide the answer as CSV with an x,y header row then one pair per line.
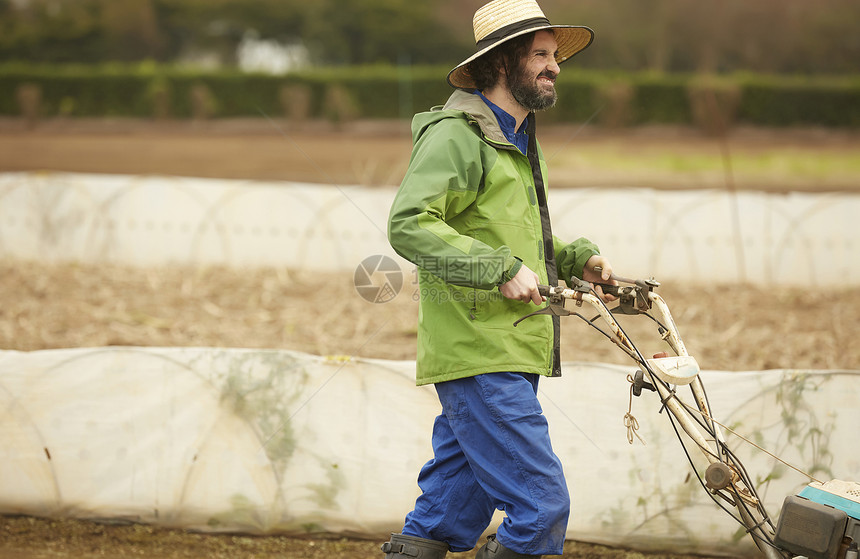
x,y
546,78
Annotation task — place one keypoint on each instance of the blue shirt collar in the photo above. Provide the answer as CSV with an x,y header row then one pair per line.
x,y
507,123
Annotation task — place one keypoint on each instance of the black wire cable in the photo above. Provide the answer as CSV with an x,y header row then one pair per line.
x,y
698,477
757,532
722,449
593,325
730,457
723,453
758,535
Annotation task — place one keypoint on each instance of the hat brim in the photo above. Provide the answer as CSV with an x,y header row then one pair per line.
x,y
570,39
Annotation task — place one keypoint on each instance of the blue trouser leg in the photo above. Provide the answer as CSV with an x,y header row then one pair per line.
x,y
452,506
492,450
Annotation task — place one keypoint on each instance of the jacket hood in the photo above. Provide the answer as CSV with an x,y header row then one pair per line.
x,y
462,104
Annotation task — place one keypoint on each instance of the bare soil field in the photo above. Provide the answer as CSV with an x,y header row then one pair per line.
x,y
377,153
727,327
731,327
34,538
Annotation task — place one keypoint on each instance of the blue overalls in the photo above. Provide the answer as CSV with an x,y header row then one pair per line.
x,y
492,451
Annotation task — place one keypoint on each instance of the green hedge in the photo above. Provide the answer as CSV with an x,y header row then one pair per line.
x,y
383,92
831,102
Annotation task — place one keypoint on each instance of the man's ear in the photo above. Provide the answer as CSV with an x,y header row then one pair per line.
x,y
504,64
503,71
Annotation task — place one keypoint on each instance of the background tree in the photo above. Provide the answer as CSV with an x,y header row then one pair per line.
x,y
373,31
130,30
780,36
45,30
219,25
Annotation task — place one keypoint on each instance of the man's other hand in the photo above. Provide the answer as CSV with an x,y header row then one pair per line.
x,y
591,275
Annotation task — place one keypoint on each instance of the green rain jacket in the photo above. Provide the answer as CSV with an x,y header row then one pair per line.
x,y
470,212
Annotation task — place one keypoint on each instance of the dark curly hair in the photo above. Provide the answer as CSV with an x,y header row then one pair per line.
x,y
485,70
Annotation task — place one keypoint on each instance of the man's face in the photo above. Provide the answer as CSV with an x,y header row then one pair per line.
x,y
532,82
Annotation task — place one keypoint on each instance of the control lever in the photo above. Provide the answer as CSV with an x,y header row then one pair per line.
x,y
555,300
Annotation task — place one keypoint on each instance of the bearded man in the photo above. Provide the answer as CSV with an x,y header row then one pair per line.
x,y
472,215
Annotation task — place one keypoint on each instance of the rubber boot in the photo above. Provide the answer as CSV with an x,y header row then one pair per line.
x,y
494,550
401,546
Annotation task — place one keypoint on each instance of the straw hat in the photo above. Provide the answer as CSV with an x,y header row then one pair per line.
x,y
502,20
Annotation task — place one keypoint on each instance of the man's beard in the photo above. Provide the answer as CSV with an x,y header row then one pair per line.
x,y
528,93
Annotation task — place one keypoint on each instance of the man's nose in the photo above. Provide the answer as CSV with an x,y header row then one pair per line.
x,y
553,66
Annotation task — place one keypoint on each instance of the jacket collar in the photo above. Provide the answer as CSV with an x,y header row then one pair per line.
x,y
483,116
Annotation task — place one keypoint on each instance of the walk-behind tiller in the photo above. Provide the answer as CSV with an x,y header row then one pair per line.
x,y
820,522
